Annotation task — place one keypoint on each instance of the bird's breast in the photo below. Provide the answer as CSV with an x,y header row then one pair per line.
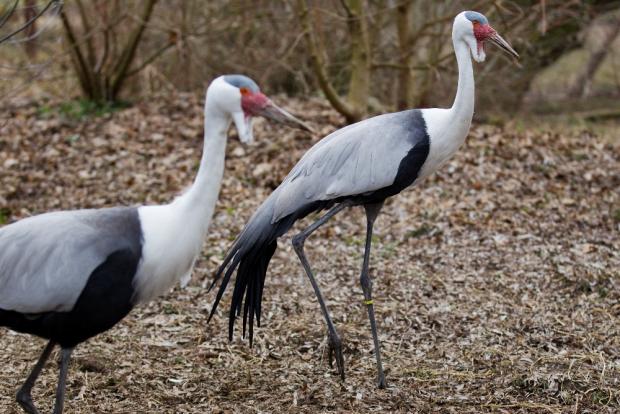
x,y
447,133
170,247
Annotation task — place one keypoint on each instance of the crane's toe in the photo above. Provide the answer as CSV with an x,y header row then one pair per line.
x,y
381,383
335,350
25,400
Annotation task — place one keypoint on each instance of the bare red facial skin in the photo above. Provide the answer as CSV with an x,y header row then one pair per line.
x,y
252,103
482,32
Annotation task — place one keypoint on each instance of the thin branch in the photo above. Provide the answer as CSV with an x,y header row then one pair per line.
x,y
29,22
426,66
86,27
120,70
103,12
8,14
82,69
347,9
430,23
315,56
150,59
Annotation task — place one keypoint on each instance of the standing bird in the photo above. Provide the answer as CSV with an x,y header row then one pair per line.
x,y
69,275
359,165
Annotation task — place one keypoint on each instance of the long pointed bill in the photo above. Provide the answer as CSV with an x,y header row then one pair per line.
x,y
499,41
274,112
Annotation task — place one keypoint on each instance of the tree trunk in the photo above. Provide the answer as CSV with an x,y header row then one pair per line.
x,y
119,74
101,69
30,11
318,66
584,80
404,93
359,84
80,65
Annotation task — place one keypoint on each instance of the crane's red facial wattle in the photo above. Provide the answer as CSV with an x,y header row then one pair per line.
x,y
257,104
482,32
252,103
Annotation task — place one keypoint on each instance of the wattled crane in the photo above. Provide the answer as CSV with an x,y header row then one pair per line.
x,y
359,165
69,275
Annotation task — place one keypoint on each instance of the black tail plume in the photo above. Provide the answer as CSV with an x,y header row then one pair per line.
x,y
250,255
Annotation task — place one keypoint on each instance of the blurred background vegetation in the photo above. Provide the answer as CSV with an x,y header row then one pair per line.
x,y
364,56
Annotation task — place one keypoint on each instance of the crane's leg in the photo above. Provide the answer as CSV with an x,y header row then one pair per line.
x,y
372,210
23,395
65,356
335,344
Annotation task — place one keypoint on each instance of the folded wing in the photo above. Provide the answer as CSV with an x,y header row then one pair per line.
x,y
46,260
358,159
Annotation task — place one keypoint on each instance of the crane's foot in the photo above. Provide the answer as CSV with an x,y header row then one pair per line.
x,y
25,400
381,383
335,350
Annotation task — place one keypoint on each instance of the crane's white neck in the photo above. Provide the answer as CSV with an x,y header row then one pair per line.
x,y
173,233
198,202
448,128
463,107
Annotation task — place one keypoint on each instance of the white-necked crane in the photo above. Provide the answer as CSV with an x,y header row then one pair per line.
x,y
69,275
359,165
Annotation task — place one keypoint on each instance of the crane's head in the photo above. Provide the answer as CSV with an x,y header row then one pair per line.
x,y
474,29
239,98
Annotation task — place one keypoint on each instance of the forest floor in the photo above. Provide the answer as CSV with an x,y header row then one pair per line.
x,y
496,281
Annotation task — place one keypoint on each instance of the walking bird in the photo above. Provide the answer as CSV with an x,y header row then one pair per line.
x,y
359,165
69,275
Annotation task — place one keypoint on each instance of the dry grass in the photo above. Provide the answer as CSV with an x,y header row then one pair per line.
x,y
496,281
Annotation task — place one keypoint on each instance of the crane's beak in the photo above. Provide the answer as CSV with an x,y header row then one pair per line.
x,y
503,44
275,113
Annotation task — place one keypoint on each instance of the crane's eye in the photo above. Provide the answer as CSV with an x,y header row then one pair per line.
x,y
244,91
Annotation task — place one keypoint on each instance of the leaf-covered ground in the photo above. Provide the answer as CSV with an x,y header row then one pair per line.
x,y
497,285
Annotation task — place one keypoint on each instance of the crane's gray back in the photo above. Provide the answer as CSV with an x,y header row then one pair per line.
x,y
46,260
357,159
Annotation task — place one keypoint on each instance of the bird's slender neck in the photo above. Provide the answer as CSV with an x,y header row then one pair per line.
x,y
463,107
198,202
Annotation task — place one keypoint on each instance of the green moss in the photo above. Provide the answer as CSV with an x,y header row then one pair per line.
x,y
80,109
419,232
600,397
353,241
389,250
5,213
169,309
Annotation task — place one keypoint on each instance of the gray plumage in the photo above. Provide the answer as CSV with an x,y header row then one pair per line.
x,y
46,260
476,17
361,165
359,158
242,81
366,158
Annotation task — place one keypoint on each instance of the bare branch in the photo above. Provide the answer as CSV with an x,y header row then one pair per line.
x,y
120,70
8,14
347,9
81,68
90,47
150,59
106,38
319,69
57,3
